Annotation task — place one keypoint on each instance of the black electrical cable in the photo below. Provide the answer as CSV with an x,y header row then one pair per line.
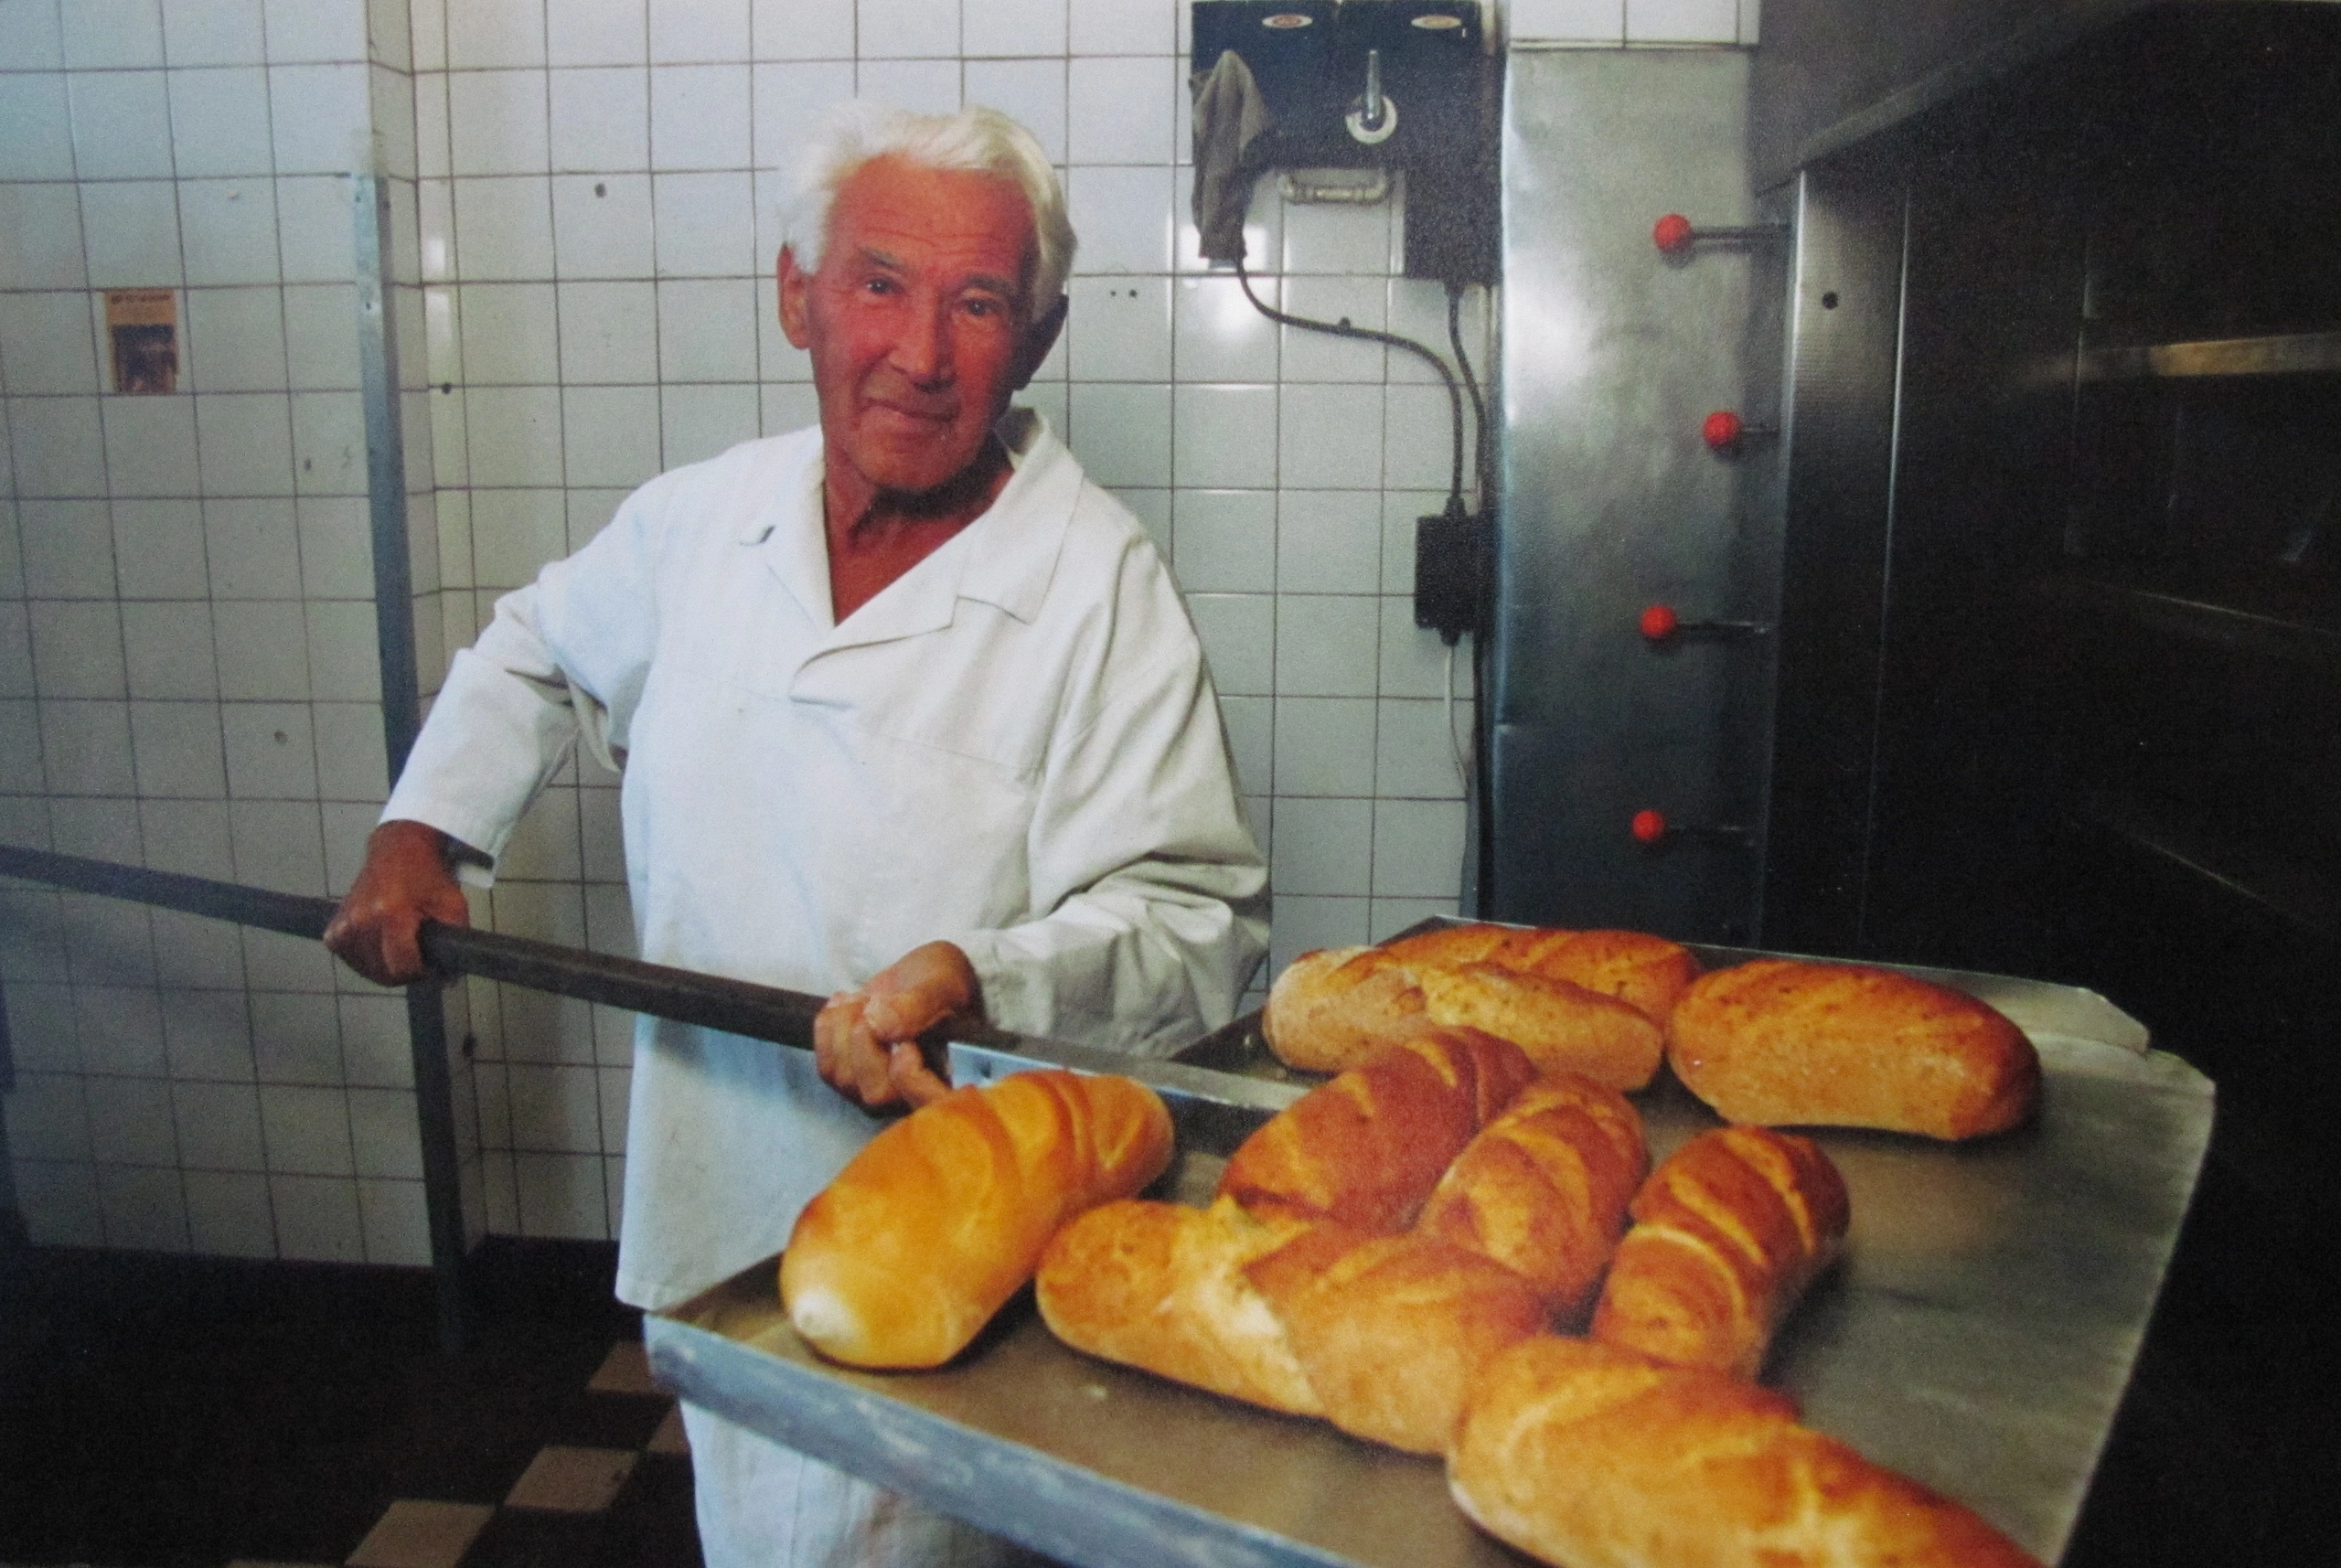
x,y
1343,328
1482,790
1482,720
1482,455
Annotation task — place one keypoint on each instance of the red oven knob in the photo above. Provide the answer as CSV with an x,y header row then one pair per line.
x,y
1725,433
1658,622
1675,235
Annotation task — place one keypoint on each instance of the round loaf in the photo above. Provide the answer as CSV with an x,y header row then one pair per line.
x,y
1787,1042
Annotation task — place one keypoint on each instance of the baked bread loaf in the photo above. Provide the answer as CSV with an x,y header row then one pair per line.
x,y
1647,972
1161,1287
1391,1329
1591,1001
1470,942
1543,1188
1332,1008
1784,1042
1727,1232
1564,1027
1589,1457
941,1218
1364,1149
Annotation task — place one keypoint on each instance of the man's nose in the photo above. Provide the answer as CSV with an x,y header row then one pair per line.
x,y
923,347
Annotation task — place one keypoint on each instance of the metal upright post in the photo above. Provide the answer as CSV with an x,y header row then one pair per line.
x,y
401,716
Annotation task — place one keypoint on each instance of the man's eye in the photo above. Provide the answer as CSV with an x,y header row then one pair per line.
x,y
877,285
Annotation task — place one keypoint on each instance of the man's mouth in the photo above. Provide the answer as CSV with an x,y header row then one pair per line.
x,y
917,413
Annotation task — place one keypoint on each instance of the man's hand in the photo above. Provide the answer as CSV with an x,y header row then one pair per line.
x,y
405,882
866,1040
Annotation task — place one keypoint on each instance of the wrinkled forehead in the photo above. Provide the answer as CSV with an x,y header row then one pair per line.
x,y
958,221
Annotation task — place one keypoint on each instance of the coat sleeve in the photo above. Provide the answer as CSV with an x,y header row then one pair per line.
x,y
564,658
1154,891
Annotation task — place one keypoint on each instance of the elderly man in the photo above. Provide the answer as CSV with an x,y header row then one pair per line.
x,y
909,712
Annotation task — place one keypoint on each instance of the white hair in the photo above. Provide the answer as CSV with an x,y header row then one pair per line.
x,y
976,140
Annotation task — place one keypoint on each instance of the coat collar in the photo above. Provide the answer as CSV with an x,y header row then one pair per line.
x,y
1005,558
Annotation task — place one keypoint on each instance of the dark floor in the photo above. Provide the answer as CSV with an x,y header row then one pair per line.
x,y
160,1413
169,1413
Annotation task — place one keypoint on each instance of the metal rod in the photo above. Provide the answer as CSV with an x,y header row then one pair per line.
x,y
736,1006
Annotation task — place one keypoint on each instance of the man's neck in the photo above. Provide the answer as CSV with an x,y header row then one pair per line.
x,y
876,534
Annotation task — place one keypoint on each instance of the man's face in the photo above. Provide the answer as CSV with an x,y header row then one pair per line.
x,y
917,319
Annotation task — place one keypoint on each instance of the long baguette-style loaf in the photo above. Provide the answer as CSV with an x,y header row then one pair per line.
x,y
1586,1457
1589,1001
1543,1187
927,1232
1161,1287
1647,972
1332,1008
1391,1329
1727,1232
1366,1149
1784,1042
1562,1026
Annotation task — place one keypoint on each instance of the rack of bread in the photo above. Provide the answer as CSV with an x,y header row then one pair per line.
x,y
1586,1242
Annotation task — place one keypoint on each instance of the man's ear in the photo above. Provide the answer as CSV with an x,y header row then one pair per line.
x,y
794,284
1039,339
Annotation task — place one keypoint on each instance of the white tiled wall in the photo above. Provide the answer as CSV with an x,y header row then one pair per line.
x,y
584,190
188,668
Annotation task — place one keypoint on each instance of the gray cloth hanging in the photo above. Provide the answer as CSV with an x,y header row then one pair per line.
x,y
1230,118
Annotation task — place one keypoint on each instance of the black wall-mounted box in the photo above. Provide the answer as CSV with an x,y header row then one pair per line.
x,y
1311,62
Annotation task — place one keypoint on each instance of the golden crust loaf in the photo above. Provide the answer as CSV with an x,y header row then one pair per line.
x,y
927,1232
1332,1008
1543,1187
1727,1232
1391,1329
1364,1149
1162,1287
1593,1001
1564,1027
1785,1042
1586,1457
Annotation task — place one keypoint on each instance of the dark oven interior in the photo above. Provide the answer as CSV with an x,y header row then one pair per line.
x,y
2059,679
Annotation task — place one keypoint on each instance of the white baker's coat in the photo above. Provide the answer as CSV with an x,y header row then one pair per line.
x,y
1015,747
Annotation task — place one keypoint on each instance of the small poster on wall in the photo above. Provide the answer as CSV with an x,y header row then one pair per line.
x,y
142,326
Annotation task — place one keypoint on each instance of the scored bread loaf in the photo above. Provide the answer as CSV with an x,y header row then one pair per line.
x,y
1366,1147
1542,1188
927,1232
1161,1287
1391,1329
1469,943
1648,973
1592,1001
1332,1008
1785,1042
1586,1457
1564,1027
1727,1232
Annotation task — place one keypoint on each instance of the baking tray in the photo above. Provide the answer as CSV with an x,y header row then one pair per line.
x,y
1977,1336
